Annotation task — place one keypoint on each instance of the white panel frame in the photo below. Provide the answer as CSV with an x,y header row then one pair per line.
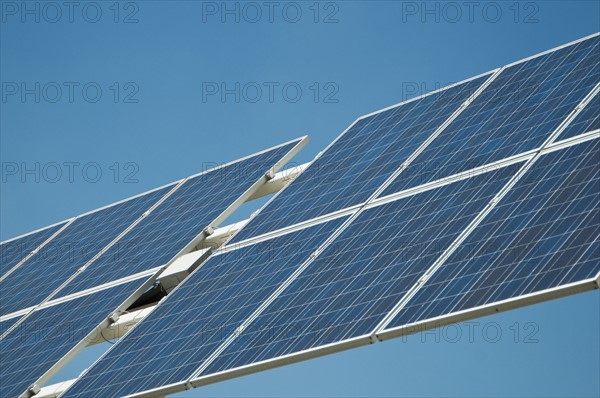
x,y
191,246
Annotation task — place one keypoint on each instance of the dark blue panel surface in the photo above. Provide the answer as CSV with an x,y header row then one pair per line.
x,y
15,250
356,281
543,234
181,333
44,272
358,163
5,325
50,333
587,120
516,113
178,220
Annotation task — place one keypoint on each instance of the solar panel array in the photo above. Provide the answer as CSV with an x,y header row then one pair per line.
x,y
85,272
454,204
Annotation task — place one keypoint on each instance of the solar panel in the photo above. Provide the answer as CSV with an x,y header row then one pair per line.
x,y
587,120
197,204
14,250
43,273
199,315
360,277
542,235
516,113
50,333
360,160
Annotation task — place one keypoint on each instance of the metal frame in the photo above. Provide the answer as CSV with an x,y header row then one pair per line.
x,y
300,143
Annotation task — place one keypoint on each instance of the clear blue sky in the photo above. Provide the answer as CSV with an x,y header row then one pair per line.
x,y
158,118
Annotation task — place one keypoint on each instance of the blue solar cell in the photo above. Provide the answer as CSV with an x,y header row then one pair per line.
x,y
356,281
178,220
358,163
14,250
40,275
49,333
543,234
6,324
181,333
587,120
516,113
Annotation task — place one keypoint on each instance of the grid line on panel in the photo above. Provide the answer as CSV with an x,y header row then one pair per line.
x,y
542,236
587,120
23,248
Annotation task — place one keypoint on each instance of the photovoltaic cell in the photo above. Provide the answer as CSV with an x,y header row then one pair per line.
x,y
543,234
43,273
587,120
178,220
181,333
6,324
358,279
516,113
14,250
49,333
358,163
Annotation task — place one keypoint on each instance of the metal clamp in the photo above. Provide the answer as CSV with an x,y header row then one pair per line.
x,y
34,389
113,318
